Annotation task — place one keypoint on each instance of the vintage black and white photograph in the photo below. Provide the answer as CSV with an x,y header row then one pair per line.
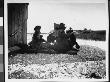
x,y
57,39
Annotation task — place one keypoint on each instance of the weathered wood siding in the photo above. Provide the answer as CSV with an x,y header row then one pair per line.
x,y
17,23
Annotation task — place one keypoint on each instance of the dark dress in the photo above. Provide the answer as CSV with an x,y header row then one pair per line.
x,y
73,42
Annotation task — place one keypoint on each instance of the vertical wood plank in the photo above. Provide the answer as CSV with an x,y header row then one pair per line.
x,y
17,18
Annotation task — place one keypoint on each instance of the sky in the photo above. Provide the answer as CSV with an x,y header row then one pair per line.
x,y
76,15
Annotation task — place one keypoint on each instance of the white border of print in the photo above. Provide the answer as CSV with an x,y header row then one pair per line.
x,y
56,80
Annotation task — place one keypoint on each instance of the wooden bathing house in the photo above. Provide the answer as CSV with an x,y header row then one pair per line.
x,y
17,23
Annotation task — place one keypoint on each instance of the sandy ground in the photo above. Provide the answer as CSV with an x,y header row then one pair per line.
x,y
101,44
78,70
59,66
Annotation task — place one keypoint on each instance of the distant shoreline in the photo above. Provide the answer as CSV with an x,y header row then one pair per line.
x,y
98,35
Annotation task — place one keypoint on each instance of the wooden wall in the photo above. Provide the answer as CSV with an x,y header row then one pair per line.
x,y
17,23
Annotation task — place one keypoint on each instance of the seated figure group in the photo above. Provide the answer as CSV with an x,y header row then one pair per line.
x,y
61,41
